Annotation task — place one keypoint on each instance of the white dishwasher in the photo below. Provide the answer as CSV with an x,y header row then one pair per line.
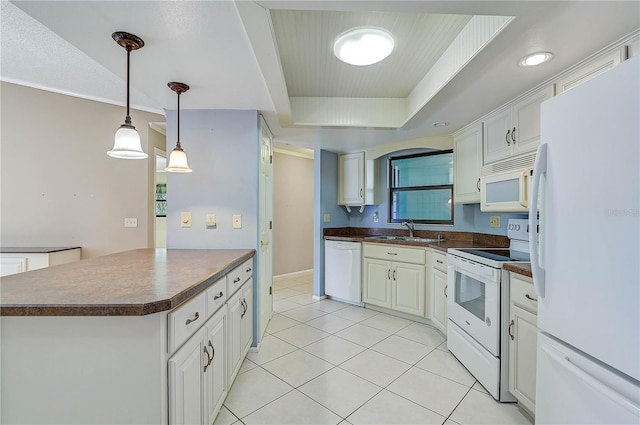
x,y
342,271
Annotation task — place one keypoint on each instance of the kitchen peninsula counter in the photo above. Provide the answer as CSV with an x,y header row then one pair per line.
x,y
90,341
131,283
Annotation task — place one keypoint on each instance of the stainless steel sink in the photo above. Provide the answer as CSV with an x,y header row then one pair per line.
x,y
404,238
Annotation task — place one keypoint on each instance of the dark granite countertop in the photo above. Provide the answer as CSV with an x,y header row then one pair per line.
x,y
519,267
34,249
130,283
451,239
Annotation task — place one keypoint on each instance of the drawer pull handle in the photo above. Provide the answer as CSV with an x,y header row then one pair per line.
x,y
389,274
394,275
392,253
248,270
243,303
529,297
439,261
507,137
213,351
196,317
218,295
513,135
510,327
236,280
445,292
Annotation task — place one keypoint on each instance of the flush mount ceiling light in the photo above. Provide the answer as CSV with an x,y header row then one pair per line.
x,y
178,159
363,46
127,140
535,59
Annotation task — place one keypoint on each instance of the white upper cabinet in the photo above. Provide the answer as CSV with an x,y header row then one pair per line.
x,y
351,179
467,164
356,180
515,129
591,69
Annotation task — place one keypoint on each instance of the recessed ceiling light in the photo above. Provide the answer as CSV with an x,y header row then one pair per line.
x,y
363,46
535,59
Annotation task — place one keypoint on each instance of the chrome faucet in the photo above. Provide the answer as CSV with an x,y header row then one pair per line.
x,y
410,226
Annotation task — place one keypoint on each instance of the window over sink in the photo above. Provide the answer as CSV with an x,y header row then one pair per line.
x,y
421,188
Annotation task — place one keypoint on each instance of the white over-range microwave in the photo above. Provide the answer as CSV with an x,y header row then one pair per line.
x,y
509,191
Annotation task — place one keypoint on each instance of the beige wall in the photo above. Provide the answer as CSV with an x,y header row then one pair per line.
x,y
58,186
292,214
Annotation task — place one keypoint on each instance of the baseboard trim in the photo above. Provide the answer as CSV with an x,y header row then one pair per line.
x,y
292,274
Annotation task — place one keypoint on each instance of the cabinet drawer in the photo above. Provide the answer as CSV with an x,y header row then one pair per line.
x,y
216,296
522,293
394,253
247,269
235,280
439,260
185,320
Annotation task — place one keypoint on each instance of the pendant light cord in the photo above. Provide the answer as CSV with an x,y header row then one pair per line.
x,y
127,120
178,142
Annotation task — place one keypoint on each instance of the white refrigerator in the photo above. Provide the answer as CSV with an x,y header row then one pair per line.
x,y
586,263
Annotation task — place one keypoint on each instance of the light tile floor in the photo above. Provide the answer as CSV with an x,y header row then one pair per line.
x,y
327,362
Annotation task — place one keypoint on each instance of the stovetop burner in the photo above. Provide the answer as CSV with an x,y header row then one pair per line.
x,y
498,254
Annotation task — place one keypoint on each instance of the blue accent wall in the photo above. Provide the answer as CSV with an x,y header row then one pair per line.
x,y
466,218
325,201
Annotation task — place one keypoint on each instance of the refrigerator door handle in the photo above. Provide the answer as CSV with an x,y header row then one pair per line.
x,y
537,239
563,360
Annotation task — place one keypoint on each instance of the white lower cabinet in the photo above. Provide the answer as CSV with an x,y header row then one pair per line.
x,y
197,374
201,371
240,327
394,277
523,338
438,280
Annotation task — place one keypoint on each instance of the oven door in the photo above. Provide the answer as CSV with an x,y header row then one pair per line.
x,y
474,301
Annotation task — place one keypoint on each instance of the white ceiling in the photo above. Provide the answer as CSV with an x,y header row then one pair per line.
x,y
263,55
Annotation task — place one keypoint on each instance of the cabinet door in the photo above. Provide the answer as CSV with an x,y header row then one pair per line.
x,y
247,318
186,382
467,163
234,351
351,179
407,288
376,288
526,121
496,141
215,376
439,299
587,71
522,356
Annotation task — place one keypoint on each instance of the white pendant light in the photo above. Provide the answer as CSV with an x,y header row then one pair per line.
x,y
178,159
127,140
363,46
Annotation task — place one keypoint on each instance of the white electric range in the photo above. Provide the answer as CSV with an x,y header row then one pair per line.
x,y
478,308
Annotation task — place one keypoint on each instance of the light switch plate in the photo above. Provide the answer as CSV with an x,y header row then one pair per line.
x,y
185,219
327,218
131,222
237,221
211,221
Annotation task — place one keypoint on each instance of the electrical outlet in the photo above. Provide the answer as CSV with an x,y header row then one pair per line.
x,y
376,217
185,219
327,218
131,222
494,221
237,221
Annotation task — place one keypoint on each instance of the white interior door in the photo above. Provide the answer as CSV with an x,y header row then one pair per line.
x,y
266,225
